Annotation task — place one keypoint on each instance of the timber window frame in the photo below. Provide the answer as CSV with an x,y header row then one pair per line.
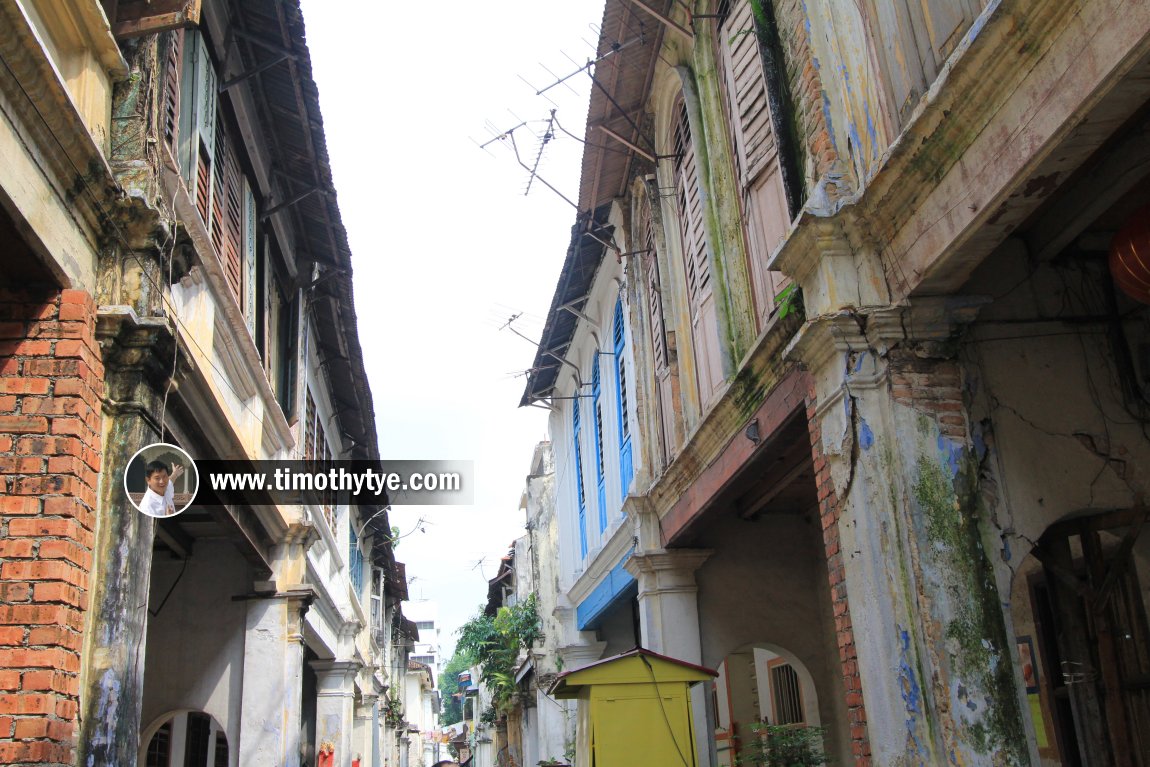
x,y
580,490
597,435
198,129
622,401
695,250
760,164
913,39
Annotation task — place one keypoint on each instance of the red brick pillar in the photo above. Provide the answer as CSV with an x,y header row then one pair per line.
x,y
829,512
51,383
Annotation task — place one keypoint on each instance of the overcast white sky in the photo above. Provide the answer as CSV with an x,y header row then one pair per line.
x,y
445,245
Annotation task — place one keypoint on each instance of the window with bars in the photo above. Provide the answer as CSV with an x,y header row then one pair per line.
x,y
597,407
197,131
354,559
626,468
786,695
318,454
581,494
159,752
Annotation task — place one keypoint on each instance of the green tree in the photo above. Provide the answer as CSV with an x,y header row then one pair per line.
x,y
449,687
495,642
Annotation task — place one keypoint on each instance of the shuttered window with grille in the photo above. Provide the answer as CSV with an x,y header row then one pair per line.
x,y
696,258
626,468
580,491
757,158
170,104
198,129
664,372
600,469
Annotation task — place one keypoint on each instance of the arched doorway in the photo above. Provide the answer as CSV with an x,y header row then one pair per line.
x,y
185,739
1078,604
760,684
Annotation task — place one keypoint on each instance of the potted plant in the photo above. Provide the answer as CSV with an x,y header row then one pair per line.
x,y
778,745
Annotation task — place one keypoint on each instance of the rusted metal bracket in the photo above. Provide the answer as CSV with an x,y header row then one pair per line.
x,y
571,308
665,20
288,203
626,143
223,87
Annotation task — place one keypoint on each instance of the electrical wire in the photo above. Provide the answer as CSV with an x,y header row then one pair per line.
x,y
663,708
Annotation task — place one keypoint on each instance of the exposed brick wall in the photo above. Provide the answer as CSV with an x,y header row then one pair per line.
x,y
829,509
931,386
806,88
51,381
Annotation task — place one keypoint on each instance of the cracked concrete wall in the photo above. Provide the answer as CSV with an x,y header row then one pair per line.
x,y
931,642
1048,396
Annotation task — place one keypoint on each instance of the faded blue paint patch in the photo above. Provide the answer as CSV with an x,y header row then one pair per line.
x,y
911,693
1007,554
979,442
827,115
952,454
859,363
866,436
981,19
871,131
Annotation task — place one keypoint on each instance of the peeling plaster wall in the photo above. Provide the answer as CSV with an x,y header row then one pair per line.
x,y
1048,398
940,630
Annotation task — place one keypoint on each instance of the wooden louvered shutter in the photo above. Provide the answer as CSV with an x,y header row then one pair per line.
x,y
204,184
704,325
216,220
691,212
227,211
666,377
747,92
173,64
233,223
756,154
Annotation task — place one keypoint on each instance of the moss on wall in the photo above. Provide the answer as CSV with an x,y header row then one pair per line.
x,y
975,631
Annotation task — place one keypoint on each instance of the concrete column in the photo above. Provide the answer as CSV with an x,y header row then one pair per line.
x,y
668,601
367,739
335,705
579,655
669,620
111,692
270,713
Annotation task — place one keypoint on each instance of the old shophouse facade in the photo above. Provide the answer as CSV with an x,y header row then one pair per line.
x,y
844,401
174,269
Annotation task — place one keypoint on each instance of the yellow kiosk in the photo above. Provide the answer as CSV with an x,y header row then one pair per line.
x,y
634,710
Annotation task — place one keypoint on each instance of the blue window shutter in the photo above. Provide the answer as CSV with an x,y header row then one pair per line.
x,y
626,468
575,430
596,388
355,558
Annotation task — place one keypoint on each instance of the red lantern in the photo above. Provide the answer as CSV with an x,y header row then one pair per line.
x,y
1130,256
